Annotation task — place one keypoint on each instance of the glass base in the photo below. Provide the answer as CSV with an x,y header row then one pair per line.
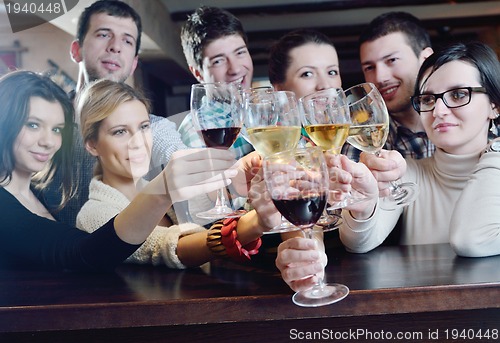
x,y
221,212
320,295
402,195
328,222
285,226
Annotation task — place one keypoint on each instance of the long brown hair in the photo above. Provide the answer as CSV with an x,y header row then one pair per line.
x,y
16,90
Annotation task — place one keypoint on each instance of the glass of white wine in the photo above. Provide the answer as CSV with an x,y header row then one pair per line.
x,y
272,124
368,132
326,119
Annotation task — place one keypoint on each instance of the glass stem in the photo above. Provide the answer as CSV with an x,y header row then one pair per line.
x,y
394,185
321,280
221,198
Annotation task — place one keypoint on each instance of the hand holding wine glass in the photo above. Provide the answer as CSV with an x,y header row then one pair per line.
x,y
298,183
217,115
326,119
368,133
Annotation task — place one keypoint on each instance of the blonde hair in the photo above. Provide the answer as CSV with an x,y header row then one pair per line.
x,y
97,101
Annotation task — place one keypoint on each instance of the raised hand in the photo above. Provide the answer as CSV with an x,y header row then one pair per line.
x,y
260,199
193,172
346,174
387,167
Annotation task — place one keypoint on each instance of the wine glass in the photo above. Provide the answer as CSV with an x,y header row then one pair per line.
x,y
298,183
272,124
368,133
252,92
217,116
326,119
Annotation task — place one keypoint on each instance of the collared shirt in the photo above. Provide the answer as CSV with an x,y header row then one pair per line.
x,y
410,144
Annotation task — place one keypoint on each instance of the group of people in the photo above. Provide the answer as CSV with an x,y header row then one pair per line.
x,y
104,139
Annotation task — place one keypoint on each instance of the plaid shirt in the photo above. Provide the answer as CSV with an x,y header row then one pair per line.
x,y
192,139
411,144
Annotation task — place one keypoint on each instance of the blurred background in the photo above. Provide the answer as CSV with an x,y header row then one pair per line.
x,y
163,71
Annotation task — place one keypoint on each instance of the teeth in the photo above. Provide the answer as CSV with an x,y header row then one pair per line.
x,y
389,91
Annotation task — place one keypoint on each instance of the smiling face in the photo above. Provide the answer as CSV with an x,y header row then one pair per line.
x,y
123,143
313,67
462,130
40,137
390,64
226,59
108,49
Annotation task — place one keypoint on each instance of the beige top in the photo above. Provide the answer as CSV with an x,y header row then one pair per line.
x,y
458,202
160,247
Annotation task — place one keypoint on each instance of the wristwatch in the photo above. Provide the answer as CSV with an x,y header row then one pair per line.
x,y
493,146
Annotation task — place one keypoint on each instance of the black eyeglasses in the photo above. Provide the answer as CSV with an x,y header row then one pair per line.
x,y
452,98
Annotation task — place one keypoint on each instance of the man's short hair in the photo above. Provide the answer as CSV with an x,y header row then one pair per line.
x,y
204,26
113,8
391,22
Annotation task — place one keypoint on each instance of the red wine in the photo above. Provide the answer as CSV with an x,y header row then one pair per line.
x,y
222,137
302,210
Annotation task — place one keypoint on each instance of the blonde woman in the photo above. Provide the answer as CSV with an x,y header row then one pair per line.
x,y
36,119
116,130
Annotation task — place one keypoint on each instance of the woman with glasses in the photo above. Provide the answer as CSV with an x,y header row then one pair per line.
x,y
457,94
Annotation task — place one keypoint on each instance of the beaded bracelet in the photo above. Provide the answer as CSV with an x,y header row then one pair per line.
x,y
222,240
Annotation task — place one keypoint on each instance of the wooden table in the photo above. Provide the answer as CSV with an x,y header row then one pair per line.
x,y
420,292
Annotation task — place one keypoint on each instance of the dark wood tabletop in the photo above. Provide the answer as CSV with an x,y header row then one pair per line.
x,y
411,288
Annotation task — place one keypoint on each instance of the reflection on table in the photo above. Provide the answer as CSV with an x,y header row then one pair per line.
x,y
420,287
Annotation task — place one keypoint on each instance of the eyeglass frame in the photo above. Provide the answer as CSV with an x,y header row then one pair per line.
x,y
441,96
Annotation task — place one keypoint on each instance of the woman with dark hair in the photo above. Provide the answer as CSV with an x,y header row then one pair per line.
x,y
304,61
457,94
36,128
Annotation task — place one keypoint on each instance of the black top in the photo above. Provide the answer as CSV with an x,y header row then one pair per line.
x,y
29,240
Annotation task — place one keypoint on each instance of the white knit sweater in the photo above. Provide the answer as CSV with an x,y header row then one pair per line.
x,y
105,202
458,202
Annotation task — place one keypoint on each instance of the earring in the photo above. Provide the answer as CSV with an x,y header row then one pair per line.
x,y
494,127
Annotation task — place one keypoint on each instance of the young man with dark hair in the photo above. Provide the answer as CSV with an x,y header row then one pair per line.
x,y
215,47
107,47
392,49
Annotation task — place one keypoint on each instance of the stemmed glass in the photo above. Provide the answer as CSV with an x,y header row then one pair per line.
x,y
272,124
298,183
217,116
326,119
368,133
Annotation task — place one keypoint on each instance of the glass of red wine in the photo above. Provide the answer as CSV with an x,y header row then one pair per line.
x,y
298,183
218,117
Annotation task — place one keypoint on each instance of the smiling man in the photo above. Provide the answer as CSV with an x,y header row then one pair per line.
x,y
215,47
392,49
107,46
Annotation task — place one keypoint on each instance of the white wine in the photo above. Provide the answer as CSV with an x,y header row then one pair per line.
x,y
272,139
369,138
329,136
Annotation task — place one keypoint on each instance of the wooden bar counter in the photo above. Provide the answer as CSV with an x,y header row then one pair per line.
x,y
408,294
